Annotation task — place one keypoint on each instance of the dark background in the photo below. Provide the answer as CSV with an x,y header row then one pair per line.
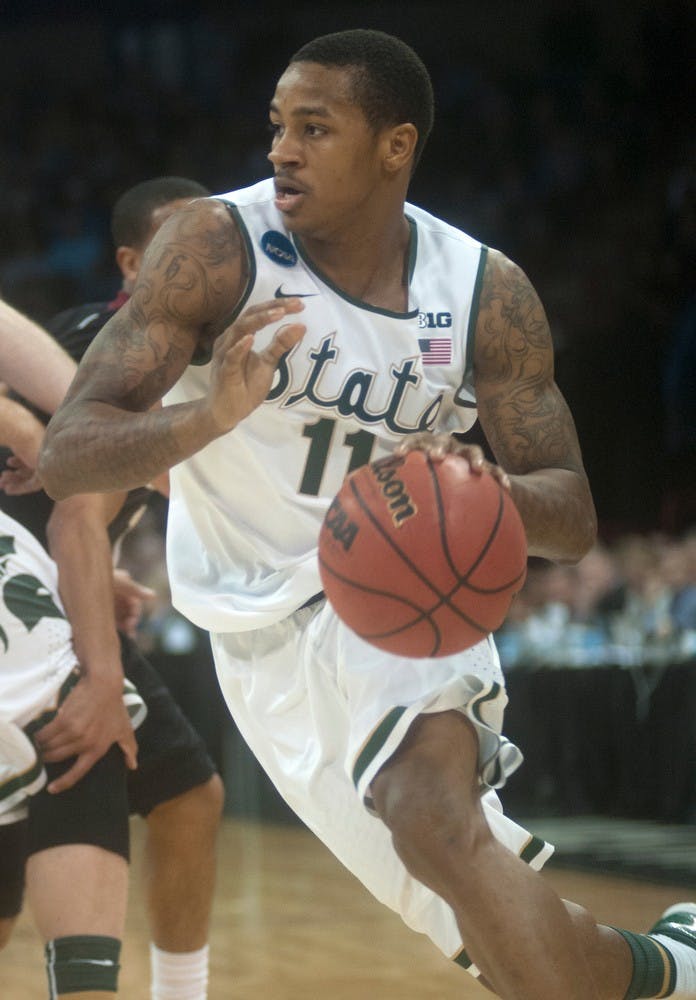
x,y
564,136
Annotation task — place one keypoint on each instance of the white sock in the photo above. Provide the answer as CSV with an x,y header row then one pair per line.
x,y
685,964
178,975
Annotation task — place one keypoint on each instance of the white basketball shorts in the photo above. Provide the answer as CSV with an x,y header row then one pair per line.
x,y
322,711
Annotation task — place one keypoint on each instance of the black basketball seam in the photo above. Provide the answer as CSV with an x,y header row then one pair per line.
x,y
444,541
442,598
441,521
443,533
366,510
420,614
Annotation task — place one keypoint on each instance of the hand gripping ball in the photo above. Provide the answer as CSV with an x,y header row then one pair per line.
x,y
422,557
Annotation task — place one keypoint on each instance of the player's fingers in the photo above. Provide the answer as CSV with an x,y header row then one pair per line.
x,y
129,748
79,769
474,456
283,341
255,318
500,475
60,749
58,731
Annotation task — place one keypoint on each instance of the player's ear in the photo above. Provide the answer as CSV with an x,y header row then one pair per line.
x,y
400,146
128,260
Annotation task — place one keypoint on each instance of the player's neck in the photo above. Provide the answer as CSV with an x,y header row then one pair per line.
x,y
372,268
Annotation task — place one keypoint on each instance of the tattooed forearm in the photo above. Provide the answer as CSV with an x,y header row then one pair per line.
x,y
140,447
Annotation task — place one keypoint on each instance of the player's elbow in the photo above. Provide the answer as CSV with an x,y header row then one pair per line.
x,y
584,535
52,469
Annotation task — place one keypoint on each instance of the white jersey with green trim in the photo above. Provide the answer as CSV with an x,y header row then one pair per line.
x,y
246,510
36,652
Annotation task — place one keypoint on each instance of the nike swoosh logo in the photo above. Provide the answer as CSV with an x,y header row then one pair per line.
x,y
280,294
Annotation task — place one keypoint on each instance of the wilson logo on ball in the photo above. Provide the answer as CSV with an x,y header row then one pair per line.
x,y
400,504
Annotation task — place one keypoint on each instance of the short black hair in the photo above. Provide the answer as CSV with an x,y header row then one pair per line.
x,y
131,217
391,83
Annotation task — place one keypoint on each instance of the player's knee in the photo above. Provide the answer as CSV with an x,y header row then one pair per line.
x,y
207,800
6,928
83,963
428,797
198,809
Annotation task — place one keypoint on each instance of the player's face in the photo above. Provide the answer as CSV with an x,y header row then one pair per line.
x,y
325,156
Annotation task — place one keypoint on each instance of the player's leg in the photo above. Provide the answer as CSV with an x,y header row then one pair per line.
x,y
13,838
516,929
180,866
77,877
181,797
78,895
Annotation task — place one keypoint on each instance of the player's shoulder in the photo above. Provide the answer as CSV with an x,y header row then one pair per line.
x,y
437,228
261,193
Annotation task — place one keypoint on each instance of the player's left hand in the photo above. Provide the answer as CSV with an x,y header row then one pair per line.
x,y
89,721
438,446
130,598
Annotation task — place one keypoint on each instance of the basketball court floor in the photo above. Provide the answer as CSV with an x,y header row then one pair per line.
x,y
290,923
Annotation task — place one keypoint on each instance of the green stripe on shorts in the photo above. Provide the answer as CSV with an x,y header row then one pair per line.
x,y
376,742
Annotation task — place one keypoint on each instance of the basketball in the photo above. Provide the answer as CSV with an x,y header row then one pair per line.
x,y
421,557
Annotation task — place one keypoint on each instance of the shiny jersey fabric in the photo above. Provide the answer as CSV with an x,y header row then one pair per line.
x,y
246,510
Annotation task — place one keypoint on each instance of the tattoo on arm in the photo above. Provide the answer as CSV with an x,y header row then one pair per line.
x,y
191,277
524,416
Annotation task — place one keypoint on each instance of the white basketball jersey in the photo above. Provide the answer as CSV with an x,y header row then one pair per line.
x,y
246,510
36,652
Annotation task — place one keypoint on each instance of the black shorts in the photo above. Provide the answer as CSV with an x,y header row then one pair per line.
x,y
172,759
94,812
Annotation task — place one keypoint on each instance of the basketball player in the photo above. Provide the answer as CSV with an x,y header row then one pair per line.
x,y
298,328
175,786
79,896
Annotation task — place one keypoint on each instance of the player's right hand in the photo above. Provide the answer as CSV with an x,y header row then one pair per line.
x,y
91,719
241,377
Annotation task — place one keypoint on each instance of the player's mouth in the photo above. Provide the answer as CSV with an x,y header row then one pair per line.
x,y
288,194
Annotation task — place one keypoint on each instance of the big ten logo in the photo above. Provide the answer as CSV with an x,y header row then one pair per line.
x,y
434,321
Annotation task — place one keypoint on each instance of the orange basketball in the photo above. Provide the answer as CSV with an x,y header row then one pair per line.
x,y
422,557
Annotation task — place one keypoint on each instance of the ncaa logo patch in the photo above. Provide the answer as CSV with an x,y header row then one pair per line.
x,y
278,248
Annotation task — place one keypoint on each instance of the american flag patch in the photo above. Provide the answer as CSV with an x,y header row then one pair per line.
x,y
435,350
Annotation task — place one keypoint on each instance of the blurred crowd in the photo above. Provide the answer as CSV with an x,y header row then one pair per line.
x,y
629,604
